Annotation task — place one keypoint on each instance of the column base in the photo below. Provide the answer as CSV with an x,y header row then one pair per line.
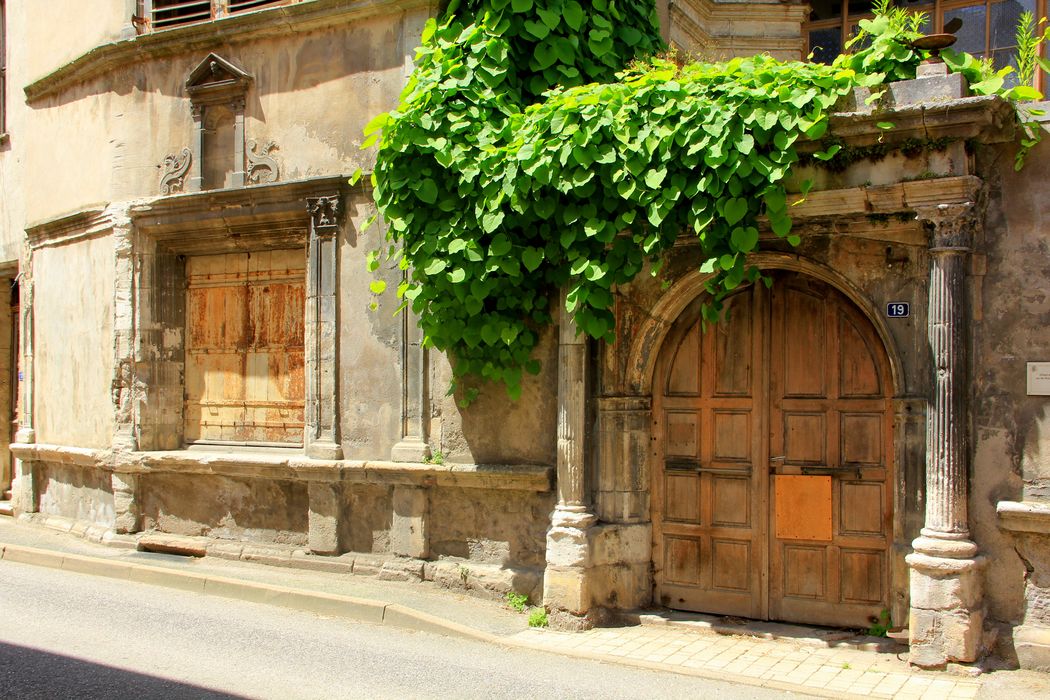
x,y
324,450
410,450
566,582
946,622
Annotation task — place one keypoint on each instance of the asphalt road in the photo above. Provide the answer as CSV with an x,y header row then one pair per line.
x,y
65,635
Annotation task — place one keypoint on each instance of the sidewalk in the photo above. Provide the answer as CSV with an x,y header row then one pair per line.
x,y
799,665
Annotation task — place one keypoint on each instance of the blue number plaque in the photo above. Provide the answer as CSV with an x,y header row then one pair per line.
x,y
898,309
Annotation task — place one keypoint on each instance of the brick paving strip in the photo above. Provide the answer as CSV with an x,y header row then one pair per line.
x,y
779,664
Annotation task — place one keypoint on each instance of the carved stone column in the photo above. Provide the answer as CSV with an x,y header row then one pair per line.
x,y
946,620
413,446
237,177
23,486
322,329
195,183
565,584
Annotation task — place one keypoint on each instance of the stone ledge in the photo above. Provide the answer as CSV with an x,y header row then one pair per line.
x,y
278,464
1024,517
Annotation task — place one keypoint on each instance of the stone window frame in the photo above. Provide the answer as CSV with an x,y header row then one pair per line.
x,y
149,18
935,10
305,214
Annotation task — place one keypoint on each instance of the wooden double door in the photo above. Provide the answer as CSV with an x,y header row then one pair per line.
x,y
772,493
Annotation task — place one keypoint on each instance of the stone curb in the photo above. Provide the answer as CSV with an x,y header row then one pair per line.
x,y
361,609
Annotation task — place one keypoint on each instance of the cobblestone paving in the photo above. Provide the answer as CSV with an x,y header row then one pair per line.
x,y
782,664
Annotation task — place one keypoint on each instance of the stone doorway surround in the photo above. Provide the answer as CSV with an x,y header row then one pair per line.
x,y
929,228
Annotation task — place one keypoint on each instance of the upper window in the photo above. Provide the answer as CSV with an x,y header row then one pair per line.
x,y
988,29
162,14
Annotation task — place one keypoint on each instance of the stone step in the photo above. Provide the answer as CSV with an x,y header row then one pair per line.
x,y
6,507
726,625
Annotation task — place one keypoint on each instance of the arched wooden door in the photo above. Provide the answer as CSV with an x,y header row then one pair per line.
x,y
772,492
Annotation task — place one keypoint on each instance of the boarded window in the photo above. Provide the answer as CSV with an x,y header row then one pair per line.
x,y
244,348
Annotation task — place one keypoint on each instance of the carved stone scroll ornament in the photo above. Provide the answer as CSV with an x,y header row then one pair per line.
x,y
176,165
261,167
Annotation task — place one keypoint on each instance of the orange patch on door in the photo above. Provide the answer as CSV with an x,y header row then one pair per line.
x,y
803,507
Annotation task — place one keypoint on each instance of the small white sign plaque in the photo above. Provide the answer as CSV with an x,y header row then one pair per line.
x,y
1039,378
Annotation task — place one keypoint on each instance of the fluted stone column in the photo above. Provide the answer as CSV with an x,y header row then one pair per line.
x,y
565,585
946,619
23,486
322,331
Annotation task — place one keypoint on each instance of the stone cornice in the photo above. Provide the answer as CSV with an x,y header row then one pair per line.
x,y
293,465
231,219
1024,517
989,119
276,21
84,223
693,18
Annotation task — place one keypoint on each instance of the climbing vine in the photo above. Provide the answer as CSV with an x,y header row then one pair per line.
x,y
539,146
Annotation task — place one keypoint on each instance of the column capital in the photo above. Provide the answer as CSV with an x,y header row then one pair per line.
x,y
952,225
324,214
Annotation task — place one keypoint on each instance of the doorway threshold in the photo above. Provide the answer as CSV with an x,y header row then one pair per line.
x,y
806,635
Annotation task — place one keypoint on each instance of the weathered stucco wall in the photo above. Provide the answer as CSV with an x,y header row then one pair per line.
x,y
71,492
255,510
490,527
312,94
73,342
62,30
1011,440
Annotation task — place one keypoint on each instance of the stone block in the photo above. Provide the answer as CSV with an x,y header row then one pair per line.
x,y
621,544
952,592
938,637
938,88
621,586
567,589
325,513
1032,644
568,546
126,515
401,570
409,536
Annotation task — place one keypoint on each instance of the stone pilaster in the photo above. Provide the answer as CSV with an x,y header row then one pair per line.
x,y
237,177
123,388
413,446
409,531
566,586
126,511
23,487
195,181
326,513
946,620
322,329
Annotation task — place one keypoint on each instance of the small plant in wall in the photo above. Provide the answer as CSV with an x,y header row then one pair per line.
x,y
538,618
518,602
544,145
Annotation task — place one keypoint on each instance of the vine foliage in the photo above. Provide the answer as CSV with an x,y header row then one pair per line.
x,y
538,146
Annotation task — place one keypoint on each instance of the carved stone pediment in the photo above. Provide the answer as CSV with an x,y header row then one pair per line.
x,y
216,79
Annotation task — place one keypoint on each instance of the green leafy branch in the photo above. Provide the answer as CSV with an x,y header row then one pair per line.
x,y
536,148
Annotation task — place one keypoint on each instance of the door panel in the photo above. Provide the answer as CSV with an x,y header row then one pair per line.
x,y
773,441
244,347
833,428
709,502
